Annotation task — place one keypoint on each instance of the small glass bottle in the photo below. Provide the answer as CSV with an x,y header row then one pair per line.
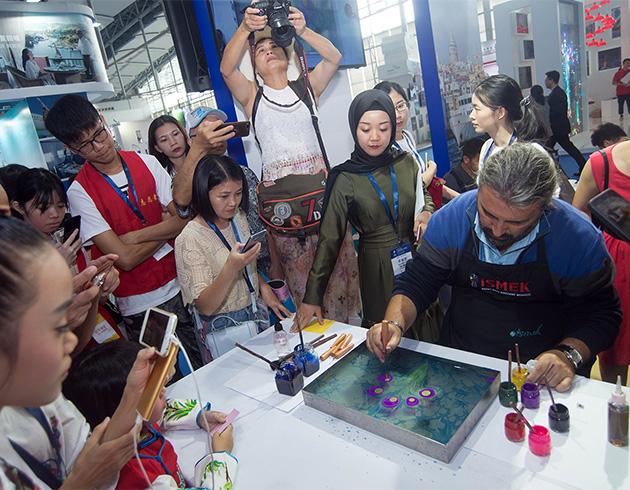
x,y
618,417
539,441
280,340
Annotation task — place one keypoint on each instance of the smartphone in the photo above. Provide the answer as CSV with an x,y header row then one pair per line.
x,y
157,330
241,128
70,223
253,240
611,212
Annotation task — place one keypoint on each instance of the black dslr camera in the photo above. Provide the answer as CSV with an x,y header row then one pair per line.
x,y
277,12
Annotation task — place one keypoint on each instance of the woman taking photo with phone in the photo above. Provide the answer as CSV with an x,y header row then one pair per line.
x,y
375,190
44,441
216,276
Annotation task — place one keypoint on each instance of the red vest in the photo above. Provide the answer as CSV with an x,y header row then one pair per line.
x,y
150,274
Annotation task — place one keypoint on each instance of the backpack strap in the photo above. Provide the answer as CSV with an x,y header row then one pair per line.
x,y
257,98
603,155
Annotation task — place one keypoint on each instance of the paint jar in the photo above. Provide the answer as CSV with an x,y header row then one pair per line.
x,y
289,378
514,426
390,404
539,441
530,395
519,376
559,418
507,394
306,359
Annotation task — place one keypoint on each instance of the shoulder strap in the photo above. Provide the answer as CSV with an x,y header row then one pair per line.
x,y
308,98
257,98
604,155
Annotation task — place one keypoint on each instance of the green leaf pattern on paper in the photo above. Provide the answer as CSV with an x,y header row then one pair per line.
x,y
178,409
217,467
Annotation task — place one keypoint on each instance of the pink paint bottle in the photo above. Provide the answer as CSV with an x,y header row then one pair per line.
x,y
539,441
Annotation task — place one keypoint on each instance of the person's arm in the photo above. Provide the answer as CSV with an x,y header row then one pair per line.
x,y
129,256
209,140
586,189
322,74
617,77
332,231
429,174
162,231
213,296
242,89
449,193
275,270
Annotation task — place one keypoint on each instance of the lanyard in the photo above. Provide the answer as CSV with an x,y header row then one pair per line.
x,y
215,228
489,150
421,163
393,219
52,477
121,194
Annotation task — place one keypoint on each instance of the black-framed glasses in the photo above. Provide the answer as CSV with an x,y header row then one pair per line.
x,y
99,136
401,106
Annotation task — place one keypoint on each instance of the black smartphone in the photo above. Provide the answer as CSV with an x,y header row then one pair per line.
x,y
70,223
612,212
253,240
241,128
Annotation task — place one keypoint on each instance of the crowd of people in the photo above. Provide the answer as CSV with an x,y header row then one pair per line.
x,y
169,229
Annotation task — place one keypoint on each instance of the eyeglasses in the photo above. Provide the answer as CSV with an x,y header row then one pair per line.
x,y
402,106
99,137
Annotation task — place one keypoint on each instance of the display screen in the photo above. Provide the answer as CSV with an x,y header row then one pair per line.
x,y
155,329
335,20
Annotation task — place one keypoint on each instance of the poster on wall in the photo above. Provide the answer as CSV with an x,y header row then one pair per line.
x,y
616,28
528,49
522,24
609,59
38,50
460,67
337,23
19,143
525,77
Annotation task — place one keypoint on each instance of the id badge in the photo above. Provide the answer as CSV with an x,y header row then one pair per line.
x,y
400,256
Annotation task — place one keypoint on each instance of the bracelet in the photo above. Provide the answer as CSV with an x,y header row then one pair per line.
x,y
396,324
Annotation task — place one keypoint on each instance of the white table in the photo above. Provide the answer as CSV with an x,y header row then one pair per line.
x,y
279,442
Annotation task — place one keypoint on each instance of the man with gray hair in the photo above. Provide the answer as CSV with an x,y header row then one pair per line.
x,y
525,267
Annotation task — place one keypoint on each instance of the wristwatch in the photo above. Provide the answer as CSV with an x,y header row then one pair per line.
x,y
572,355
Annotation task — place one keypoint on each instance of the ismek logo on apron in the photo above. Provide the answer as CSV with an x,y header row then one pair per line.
x,y
527,333
505,288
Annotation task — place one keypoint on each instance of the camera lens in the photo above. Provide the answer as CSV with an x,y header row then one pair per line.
x,y
282,31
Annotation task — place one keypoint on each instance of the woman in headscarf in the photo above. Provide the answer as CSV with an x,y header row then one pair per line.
x,y
375,191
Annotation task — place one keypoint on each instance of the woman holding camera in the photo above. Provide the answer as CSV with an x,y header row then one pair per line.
x,y
289,142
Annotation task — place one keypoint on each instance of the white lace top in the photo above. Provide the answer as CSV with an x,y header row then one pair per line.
x,y
286,136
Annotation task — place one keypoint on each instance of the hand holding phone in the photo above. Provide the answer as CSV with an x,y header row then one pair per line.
x,y
258,237
158,329
241,128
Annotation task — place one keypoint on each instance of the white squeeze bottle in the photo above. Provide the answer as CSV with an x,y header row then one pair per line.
x,y
618,417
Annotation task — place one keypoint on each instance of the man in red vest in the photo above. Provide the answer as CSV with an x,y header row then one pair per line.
x,y
120,196
621,80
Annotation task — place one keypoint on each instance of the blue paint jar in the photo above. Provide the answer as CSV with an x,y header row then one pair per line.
x,y
289,379
306,359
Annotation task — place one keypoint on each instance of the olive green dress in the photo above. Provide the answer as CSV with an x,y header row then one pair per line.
x,y
354,199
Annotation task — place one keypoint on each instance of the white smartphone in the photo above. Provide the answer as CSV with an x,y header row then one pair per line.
x,y
158,329
254,239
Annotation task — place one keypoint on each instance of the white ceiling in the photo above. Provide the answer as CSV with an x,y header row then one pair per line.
x,y
132,58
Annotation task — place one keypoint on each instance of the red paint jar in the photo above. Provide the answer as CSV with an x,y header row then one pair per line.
x,y
514,427
539,441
